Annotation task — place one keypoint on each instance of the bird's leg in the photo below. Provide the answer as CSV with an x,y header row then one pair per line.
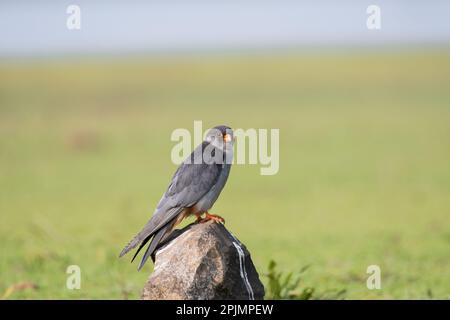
x,y
214,217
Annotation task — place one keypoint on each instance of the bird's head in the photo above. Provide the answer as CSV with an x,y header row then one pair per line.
x,y
221,137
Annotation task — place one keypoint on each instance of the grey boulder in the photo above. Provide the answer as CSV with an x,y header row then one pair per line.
x,y
203,261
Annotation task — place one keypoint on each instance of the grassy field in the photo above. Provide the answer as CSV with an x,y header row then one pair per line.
x,y
364,167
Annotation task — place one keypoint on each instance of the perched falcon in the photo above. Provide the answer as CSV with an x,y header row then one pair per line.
x,y
194,188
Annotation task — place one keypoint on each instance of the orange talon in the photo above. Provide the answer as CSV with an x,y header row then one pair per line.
x,y
214,217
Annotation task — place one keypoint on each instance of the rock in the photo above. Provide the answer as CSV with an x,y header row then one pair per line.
x,y
203,261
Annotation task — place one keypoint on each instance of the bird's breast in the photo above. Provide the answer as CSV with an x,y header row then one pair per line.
x,y
208,200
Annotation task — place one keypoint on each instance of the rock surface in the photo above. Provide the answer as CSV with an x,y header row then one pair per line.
x,y
203,262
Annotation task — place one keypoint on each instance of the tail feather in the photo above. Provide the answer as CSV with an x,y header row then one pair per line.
x,y
154,243
151,228
140,247
134,242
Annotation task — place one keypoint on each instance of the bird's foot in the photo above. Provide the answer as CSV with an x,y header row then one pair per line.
x,y
199,218
213,217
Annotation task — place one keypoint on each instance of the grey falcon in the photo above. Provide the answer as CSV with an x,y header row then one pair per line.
x,y
194,189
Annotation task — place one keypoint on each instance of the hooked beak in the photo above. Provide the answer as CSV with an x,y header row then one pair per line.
x,y
227,137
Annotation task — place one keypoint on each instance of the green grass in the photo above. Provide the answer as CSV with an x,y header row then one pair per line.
x,y
364,167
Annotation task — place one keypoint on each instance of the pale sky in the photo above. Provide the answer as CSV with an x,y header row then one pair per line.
x,y
120,26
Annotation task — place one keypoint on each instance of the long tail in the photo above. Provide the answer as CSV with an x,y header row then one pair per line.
x,y
152,227
159,236
142,238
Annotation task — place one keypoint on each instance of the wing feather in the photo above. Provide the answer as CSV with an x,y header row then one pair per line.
x,y
192,180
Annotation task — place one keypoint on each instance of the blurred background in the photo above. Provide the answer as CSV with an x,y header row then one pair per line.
x,y
86,117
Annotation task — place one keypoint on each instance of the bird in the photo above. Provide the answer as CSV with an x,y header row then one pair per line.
x,y
193,190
